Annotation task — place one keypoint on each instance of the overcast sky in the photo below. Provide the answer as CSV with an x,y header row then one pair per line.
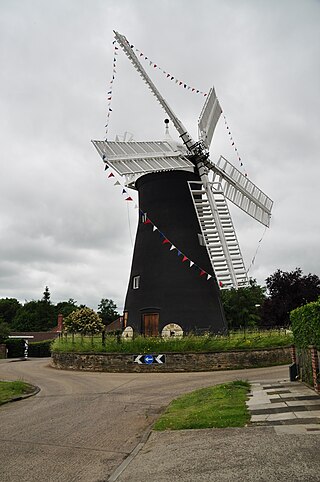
x,y
62,222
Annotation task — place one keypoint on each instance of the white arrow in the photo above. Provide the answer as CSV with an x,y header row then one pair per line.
x,y
138,359
158,359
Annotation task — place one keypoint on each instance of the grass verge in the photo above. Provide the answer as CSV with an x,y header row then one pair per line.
x,y
189,343
219,406
10,390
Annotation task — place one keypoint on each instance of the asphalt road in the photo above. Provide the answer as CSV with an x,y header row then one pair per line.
x,y
82,425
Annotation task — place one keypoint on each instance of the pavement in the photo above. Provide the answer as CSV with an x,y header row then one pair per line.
x,y
281,443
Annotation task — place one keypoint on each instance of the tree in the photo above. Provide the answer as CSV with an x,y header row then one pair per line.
x,y
287,291
107,311
66,307
8,309
46,295
241,306
35,316
84,321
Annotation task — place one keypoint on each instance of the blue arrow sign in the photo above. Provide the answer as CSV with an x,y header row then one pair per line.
x,y
148,359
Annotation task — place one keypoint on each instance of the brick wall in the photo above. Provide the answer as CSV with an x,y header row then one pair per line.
x,y
175,362
3,351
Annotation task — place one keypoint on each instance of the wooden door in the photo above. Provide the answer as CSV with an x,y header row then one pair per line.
x,y
151,324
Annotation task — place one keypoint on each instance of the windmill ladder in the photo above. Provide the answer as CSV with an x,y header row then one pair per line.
x,y
232,273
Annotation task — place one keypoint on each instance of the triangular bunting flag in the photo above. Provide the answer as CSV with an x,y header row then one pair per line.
x,y
154,228
129,199
136,206
184,259
179,253
191,264
209,276
106,167
111,174
124,191
220,284
202,272
172,247
147,221
165,241
117,183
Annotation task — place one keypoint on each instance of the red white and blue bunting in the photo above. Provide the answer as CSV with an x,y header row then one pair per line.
x,y
110,87
163,238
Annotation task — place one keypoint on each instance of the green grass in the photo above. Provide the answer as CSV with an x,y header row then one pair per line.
x,y
219,406
190,343
10,390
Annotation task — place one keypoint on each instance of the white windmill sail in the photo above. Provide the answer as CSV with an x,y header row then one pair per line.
x,y
134,159
209,117
241,191
209,221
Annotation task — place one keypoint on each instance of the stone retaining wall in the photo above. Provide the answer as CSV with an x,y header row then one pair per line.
x,y
175,362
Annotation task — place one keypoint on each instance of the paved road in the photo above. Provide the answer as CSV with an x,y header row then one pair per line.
x,y
82,425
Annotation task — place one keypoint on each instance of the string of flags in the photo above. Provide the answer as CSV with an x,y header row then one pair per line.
x,y
172,78
257,249
164,240
234,145
110,87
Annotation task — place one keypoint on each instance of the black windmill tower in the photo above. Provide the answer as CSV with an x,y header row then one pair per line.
x,y
191,216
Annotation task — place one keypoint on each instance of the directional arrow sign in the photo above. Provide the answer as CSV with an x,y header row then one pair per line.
x,y
160,359
137,359
149,359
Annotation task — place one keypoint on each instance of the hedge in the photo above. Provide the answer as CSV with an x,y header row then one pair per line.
x,y
305,324
36,349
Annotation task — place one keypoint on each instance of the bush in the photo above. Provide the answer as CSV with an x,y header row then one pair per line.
x,y
15,348
40,349
305,322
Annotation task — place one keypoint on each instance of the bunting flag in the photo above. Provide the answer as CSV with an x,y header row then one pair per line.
x,y
234,146
164,239
110,88
257,249
168,76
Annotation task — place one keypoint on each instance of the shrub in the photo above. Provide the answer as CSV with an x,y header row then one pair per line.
x,y
40,348
15,348
305,322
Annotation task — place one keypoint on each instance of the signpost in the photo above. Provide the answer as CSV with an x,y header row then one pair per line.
x,y
149,359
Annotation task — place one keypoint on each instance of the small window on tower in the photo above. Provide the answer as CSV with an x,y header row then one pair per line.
x,y
144,217
136,282
201,240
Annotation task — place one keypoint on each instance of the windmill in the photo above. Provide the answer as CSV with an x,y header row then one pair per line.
x,y
190,211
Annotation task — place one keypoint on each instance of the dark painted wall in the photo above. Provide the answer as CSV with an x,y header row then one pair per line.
x,y
167,285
